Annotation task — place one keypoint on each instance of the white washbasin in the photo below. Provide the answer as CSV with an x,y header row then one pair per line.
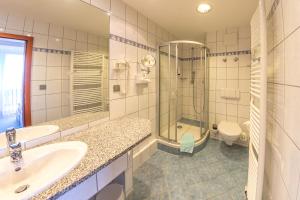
x,y
41,167
30,133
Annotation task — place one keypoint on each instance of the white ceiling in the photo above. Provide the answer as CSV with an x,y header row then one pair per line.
x,y
181,18
72,14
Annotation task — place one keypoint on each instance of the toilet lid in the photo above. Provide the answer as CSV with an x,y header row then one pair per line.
x,y
229,128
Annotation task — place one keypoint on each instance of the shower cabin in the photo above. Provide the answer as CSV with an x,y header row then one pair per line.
x,y
183,91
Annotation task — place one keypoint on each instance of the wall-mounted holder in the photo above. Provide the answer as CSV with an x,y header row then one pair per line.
x,y
144,69
229,93
120,65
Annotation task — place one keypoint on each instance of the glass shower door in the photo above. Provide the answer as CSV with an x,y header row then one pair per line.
x,y
168,91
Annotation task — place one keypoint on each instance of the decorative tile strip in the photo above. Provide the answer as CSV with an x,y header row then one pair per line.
x,y
232,53
45,50
273,9
130,42
142,46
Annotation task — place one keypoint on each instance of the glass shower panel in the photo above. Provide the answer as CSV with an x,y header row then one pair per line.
x,y
183,91
173,92
164,85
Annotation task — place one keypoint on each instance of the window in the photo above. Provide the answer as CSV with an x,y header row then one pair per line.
x,y
15,61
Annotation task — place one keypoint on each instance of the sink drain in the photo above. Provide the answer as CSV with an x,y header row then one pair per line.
x,y
21,188
179,126
18,169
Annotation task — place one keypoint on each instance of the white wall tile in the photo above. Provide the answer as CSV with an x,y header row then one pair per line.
x,y
117,26
131,53
244,73
230,39
117,108
35,87
131,15
118,8
40,41
15,22
38,73
41,27
53,113
54,73
292,108
81,36
116,95
68,44
278,24
103,4
38,102
69,34
291,9
53,100
292,59
28,26
38,116
54,60
53,86
131,104
3,19
116,50
279,64
81,46
143,102
56,30
142,22
131,32
233,73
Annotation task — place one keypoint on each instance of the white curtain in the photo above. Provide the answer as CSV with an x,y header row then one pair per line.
x,y
11,79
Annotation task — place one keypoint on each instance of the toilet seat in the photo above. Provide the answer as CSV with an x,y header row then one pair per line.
x,y
229,128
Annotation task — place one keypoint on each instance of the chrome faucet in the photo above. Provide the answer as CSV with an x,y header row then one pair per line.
x,y
14,148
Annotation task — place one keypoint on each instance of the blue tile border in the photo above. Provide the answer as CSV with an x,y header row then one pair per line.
x,y
232,53
45,50
142,46
130,42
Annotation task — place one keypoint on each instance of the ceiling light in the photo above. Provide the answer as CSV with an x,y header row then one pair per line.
x,y
204,8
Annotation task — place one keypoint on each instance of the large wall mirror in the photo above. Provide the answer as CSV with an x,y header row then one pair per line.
x,y
53,61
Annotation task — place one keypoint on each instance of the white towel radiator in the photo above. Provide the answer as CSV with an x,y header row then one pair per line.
x,y
86,82
258,90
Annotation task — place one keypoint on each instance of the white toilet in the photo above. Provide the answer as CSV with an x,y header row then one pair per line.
x,y
229,131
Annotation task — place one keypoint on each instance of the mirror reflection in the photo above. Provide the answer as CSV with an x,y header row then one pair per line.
x,y
53,62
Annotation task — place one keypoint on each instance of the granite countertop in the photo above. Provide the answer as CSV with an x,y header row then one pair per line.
x,y
77,120
106,142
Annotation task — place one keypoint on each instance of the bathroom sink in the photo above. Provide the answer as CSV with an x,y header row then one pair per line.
x,y
30,133
41,167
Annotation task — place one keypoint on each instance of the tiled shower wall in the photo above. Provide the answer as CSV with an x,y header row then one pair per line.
x,y
192,93
282,167
229,67
51,61
136,36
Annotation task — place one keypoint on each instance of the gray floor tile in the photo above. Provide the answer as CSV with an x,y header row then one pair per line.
x,y
216,172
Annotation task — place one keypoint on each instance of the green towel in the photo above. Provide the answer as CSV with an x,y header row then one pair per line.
x,y
187,143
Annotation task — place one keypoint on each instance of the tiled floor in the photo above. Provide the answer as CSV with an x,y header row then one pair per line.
x,y
218,172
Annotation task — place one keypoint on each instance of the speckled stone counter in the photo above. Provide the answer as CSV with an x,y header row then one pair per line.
x,y
77,120
106,142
